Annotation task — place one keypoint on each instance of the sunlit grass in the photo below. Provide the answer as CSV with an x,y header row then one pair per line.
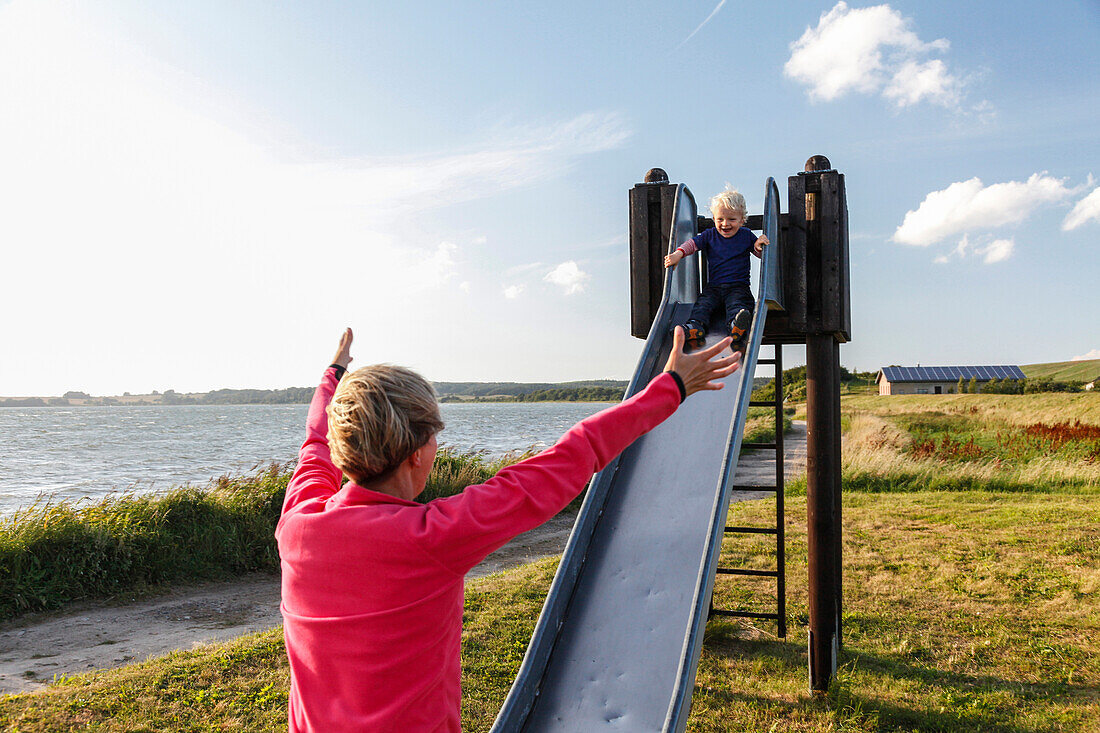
x,y
969,611
52,554
1039,442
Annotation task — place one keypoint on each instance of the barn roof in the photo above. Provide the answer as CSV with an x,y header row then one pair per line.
x,y
951,373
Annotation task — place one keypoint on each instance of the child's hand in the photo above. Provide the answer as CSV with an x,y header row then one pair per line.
x,y
343,352
758,245
672,259
700,369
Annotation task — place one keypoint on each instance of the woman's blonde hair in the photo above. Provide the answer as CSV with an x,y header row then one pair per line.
x,y
378,417
729,199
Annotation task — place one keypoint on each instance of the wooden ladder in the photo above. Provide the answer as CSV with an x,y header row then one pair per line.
x,y
780,615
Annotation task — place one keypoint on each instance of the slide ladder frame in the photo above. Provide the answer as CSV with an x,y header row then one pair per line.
x,y
681,285
780,572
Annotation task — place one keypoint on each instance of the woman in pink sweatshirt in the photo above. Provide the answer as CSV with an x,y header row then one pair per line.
x,y
372,581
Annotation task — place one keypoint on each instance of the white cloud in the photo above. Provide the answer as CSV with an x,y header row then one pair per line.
x,y
434,268
512,292
157,201
871,50
568,276
1085,210
916,81
1094,354
998,250
970,206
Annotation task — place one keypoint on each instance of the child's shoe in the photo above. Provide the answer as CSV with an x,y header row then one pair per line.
x,y
695,336
739,326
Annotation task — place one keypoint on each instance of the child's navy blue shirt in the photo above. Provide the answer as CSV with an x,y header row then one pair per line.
x,y
727,259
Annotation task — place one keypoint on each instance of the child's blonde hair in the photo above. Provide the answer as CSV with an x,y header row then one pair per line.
x,y
729,199
378,417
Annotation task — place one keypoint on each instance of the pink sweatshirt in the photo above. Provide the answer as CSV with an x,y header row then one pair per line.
x,y
372,584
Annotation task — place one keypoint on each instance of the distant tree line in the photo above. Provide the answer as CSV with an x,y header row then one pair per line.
x,y
576,394
1016,386
516,389
794,383
600,390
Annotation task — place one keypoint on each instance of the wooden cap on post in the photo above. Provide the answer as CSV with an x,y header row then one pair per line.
x,y
818,163
656,175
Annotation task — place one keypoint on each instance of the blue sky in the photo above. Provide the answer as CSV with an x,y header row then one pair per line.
x,y
201,195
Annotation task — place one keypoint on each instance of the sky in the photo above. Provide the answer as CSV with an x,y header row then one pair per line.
x,y
202,195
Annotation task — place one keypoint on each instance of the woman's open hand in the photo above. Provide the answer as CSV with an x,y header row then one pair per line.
x,y
700,369
343,353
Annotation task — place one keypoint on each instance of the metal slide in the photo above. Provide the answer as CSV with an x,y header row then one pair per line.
x,y
619,637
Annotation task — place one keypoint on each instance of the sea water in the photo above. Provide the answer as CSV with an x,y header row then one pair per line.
x,y
86,453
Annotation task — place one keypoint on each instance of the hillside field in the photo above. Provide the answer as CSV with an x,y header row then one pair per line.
x,y
1064,371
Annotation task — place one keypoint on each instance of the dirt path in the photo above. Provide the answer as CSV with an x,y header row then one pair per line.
x,y
757,467
91,636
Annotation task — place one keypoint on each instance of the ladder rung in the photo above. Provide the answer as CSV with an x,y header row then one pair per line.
x,y
761,403
765,361
748,571
752,530
754,488
745,614
758,446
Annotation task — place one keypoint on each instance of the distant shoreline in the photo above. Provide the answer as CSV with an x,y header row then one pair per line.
x,y
602,390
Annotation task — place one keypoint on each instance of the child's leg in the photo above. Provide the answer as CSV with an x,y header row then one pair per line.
x,y
739,307
704,307
695,328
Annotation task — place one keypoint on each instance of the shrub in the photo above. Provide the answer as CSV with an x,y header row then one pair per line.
x,y
57,553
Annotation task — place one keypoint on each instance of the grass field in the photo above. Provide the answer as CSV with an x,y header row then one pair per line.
x,y
971,599
1037,442
964,611
1064,371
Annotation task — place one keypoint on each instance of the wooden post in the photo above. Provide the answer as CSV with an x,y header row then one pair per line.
x,y
651,206
823,431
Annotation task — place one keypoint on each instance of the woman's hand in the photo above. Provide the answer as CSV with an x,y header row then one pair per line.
x,y
700,369
343,353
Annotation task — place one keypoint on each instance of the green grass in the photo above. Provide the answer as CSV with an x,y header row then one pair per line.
x,y
964,611
454,470
1086,370
1025,443
57,553
760,424
54,554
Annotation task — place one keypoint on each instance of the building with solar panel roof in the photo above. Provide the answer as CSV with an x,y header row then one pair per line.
x,y
938,379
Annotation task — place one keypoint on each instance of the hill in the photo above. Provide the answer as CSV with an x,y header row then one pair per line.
x,y
515,389
1087,370
592,389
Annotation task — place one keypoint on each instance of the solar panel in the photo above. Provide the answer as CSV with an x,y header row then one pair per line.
x,y
952,373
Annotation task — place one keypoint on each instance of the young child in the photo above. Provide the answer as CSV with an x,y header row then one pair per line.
x,y
727,246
